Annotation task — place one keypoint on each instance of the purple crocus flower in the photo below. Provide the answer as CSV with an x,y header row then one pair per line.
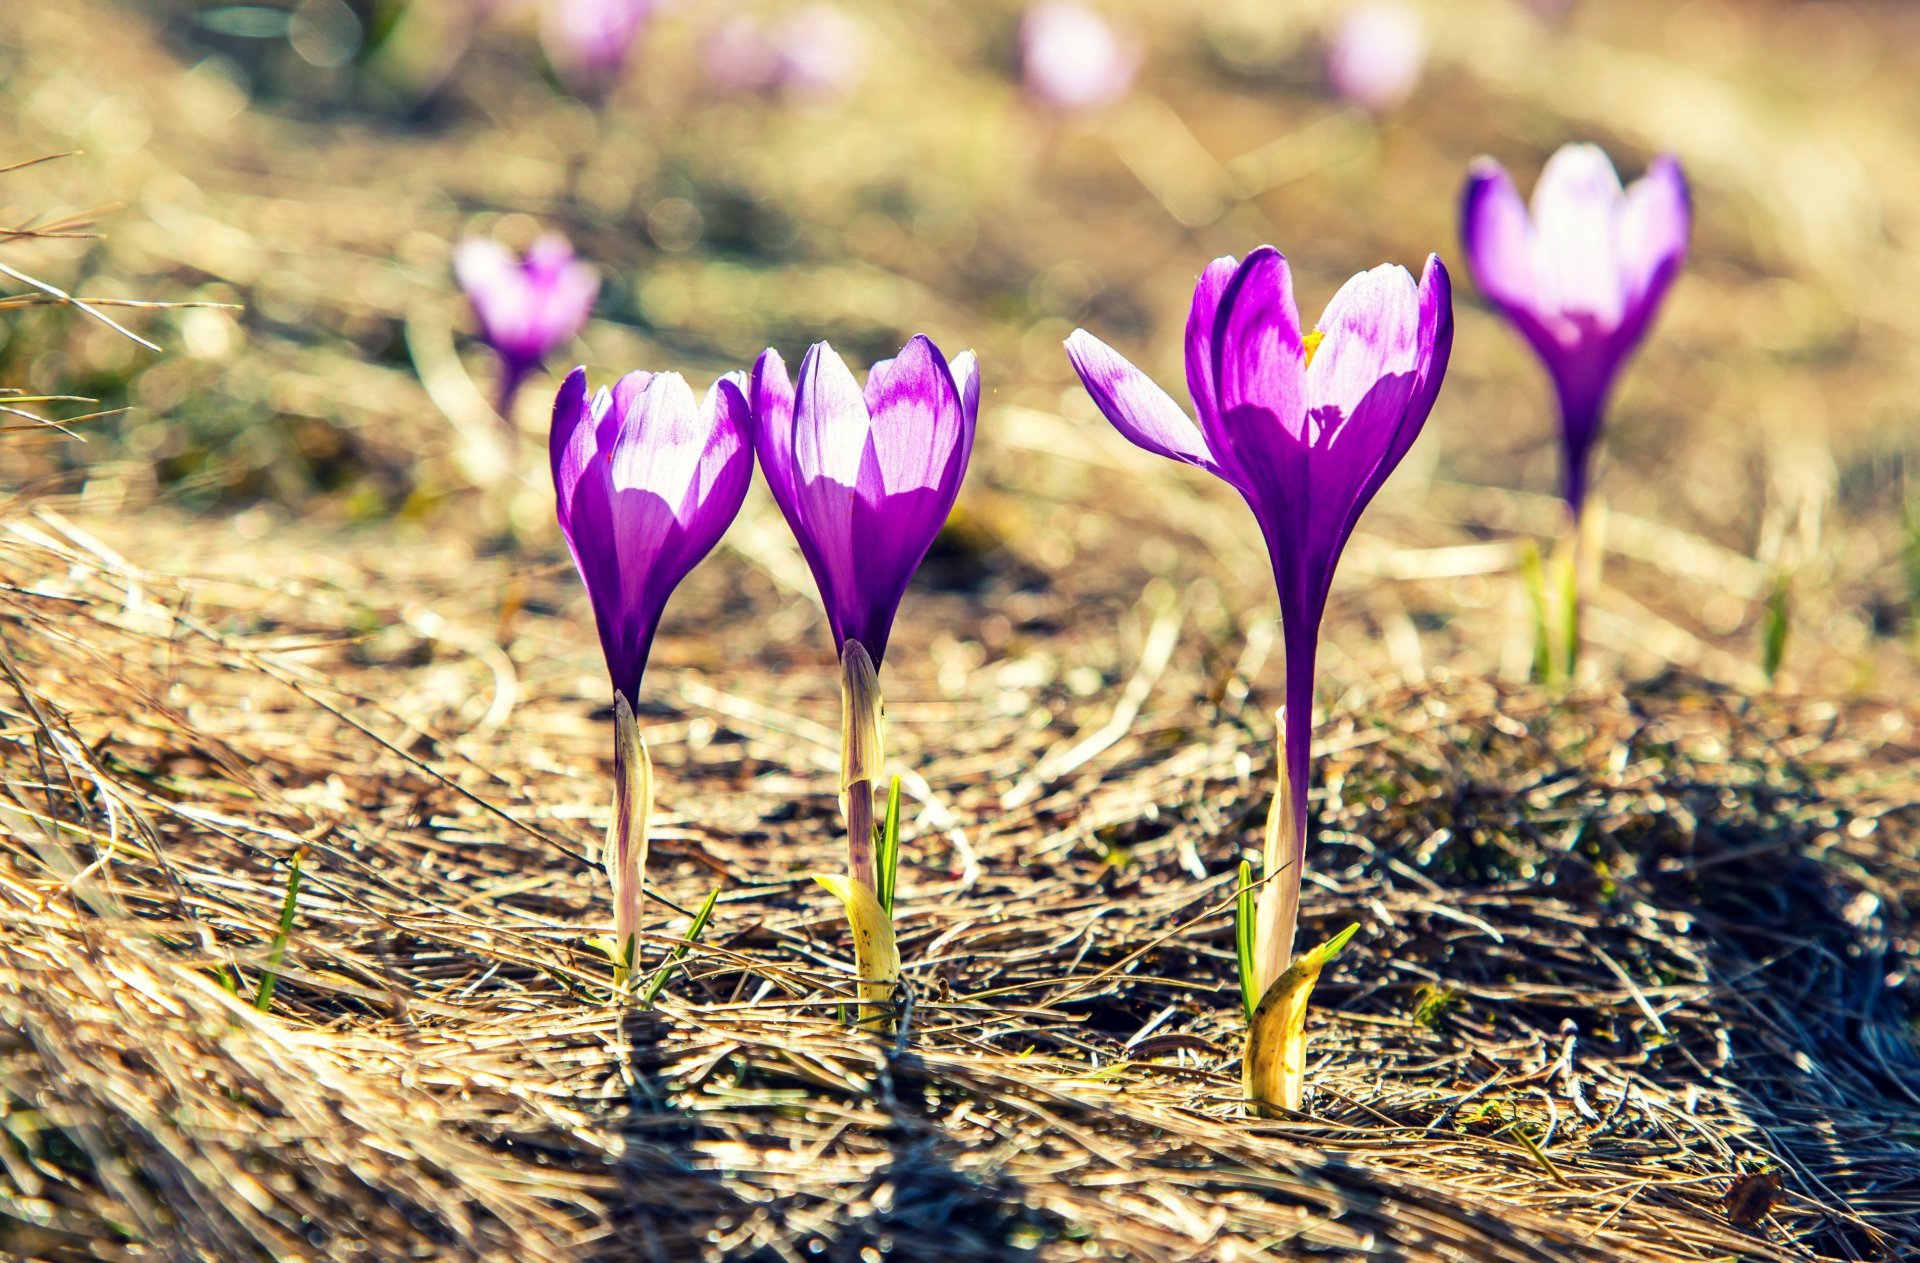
x,y
1306,427
1072,59
646,482
1376,55
527,307
588,41
1580,277
866,478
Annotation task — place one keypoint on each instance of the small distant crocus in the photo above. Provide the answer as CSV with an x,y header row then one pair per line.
x,y
816,53
1581,277
866,479
1072,59
645,481
1376,55
1306,427
588,41
529,307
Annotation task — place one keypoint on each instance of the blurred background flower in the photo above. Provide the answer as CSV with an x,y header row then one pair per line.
x,y
589,42
1376,55
1072,58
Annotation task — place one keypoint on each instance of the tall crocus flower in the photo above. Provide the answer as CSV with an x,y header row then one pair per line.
x,y
866,478
646,481
1306,426
1580,277
1376,55
1072,58
588,41
527,307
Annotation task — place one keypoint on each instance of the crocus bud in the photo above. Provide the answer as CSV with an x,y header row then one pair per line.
x,y
1580,277
815,53
1376,55
645,482
588,41
865,478
1072,59
528,307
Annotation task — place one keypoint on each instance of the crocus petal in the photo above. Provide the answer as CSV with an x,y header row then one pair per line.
x,y
483,267
1200,321
1576,216
569,410
965,368
1259,373
915,410
1653,240
1138,408
1498,235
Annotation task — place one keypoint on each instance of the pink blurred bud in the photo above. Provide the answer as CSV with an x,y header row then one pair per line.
x,y
1072,58
822,52
815,53
1376,55
589,41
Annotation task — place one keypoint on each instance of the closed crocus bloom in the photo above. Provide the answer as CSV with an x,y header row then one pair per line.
x,y
1072,58
1376,55
1306,426
529,307
588,41
1580,276
646,480
866,478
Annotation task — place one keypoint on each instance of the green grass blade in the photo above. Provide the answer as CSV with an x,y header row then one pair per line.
x,y
1773,635
263,998
1244,911
695,929
1534,578
888,867
1570,609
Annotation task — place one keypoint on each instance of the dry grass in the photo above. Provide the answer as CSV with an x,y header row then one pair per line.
x,y
1623,952
1617,951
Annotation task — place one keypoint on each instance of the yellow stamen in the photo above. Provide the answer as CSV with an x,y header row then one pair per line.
x,y
1311,343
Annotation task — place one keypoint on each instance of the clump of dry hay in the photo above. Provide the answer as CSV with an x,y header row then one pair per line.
x,y
1619,953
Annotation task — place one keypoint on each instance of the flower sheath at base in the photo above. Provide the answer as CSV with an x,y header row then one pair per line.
x,y
1580,275
1306,427
528,308
645,480
866,478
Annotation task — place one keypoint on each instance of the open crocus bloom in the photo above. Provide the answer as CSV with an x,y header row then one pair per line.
x,y
527,307
647,480
1581,276
1306,427
865,478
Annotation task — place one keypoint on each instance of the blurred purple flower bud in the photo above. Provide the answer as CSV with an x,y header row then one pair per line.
x,y
865,478
645,483
1072,58
1581,276
589,41
1376,55
814,53
527,307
